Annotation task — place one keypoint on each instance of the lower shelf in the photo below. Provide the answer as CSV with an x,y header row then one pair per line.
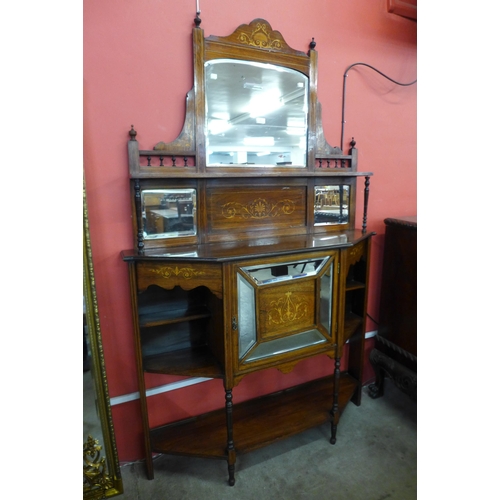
x,y
256,423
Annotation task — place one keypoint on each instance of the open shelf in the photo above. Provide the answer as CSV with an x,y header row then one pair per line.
x,y
351,323
257,422
354,285
191,362
164,316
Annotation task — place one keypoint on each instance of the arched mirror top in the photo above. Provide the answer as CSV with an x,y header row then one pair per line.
x,y
255,114
254,105
251,158
257,95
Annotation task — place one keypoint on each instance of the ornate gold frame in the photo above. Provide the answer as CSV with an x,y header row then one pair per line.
x,y
101,470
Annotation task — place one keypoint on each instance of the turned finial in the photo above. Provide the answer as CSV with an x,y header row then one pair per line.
x,y
132,133
197,19
312,44
352,143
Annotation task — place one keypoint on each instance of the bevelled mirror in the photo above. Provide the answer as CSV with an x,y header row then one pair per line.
x,y
331,205
256,114
168,213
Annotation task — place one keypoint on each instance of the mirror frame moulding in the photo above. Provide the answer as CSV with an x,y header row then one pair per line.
x,y
109,480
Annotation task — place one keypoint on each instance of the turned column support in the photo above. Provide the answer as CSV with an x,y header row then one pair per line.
x,y
231,452
335,408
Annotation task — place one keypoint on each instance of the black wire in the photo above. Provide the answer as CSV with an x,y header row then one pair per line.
x,y
343,92
374,320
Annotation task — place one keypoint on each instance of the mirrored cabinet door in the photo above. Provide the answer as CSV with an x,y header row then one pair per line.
x,y
284,306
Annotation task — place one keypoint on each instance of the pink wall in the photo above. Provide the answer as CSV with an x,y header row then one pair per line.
x,y
138,69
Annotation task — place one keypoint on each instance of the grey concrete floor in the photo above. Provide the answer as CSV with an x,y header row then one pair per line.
x,y
375,458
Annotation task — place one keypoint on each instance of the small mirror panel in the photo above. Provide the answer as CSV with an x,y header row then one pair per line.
x,y
168,213
256,114
273,273
246,307
331,205
325,311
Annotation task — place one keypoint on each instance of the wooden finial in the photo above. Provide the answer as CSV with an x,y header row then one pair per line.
x,y
197,19
353,143
132,133
312,44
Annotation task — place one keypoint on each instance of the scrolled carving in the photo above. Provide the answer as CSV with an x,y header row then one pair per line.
x,y
403,378
94,467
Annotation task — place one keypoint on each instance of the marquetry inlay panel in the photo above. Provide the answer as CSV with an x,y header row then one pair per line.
x,y
244,208
185,275
260,208
284,309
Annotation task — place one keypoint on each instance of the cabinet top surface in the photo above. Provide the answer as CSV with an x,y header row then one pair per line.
x,y
265,247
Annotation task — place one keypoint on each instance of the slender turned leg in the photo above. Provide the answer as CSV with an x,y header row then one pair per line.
x,y
335,408
231,452
365,206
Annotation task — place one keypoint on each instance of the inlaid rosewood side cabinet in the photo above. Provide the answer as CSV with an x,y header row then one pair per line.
x,y
246,255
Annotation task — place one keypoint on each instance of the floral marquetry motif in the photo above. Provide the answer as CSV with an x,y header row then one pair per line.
x,y
184,272
287,310
258,34
261,37
355,254
258,209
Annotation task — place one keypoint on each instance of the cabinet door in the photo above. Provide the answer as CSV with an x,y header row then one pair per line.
x,y
284,308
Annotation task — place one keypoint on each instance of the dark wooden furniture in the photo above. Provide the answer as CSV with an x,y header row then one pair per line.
x,y
267,268
395,352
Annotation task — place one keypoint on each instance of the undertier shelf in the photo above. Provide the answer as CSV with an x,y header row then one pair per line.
x,y
256,423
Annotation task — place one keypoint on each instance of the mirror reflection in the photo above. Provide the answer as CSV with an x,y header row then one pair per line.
x,y
331,205
256,114
168,213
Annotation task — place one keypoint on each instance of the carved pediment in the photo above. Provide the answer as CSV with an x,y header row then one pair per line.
x,y
258,34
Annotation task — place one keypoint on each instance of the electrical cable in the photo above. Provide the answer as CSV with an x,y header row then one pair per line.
x,y
344,87
374,320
